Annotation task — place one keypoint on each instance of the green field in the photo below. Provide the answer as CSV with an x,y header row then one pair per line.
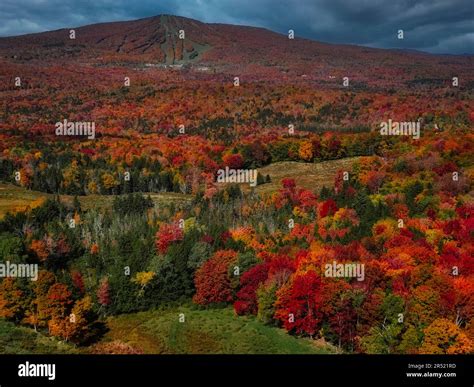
x,y
211,331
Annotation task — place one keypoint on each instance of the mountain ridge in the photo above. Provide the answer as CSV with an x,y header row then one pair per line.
x,y
229,48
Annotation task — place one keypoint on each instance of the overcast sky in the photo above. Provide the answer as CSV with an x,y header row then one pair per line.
x,y
438,26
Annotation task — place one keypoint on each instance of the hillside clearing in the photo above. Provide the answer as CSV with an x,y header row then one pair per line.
x,y
312,176
14,198
210,331
15,340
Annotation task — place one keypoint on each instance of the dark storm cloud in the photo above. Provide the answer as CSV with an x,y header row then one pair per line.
x,y
439,26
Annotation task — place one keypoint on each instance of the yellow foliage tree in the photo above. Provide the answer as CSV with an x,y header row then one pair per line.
x,y
444,337
306,151
92,187
142,278
109,181
71,175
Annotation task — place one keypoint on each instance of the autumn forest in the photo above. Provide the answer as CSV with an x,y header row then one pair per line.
x,y
127,160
